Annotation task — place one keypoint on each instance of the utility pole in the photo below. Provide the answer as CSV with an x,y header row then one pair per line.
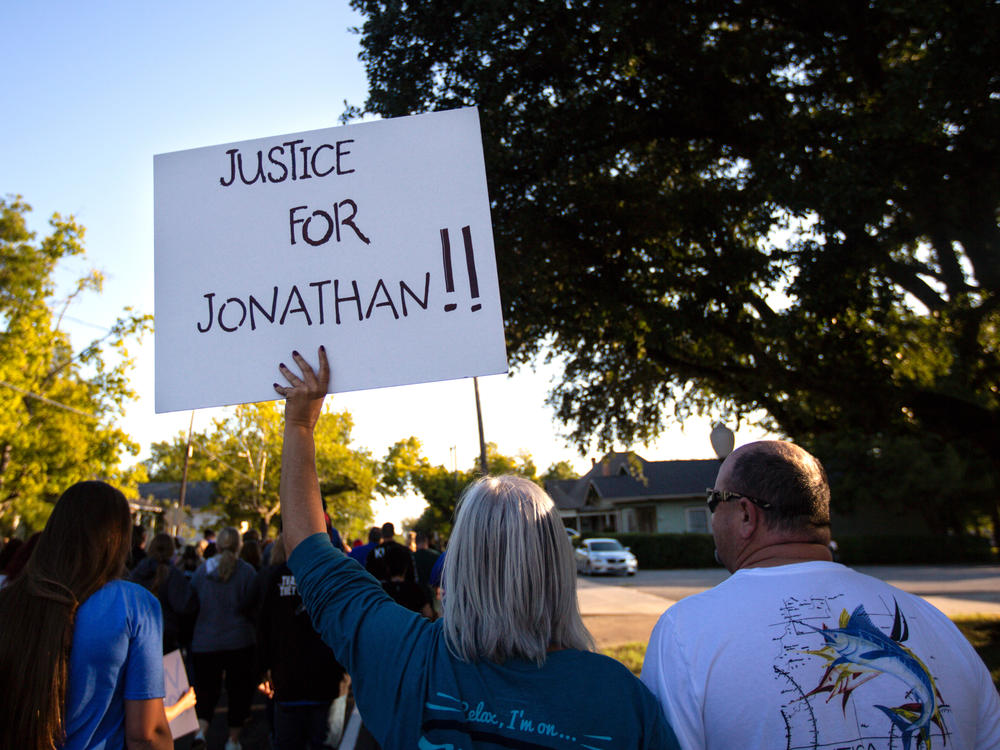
x,y
482,440
260,491
187,461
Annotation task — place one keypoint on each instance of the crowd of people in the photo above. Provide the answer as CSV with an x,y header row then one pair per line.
x,y
228,603
390,645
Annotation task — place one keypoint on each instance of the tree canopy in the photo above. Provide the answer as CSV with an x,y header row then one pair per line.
x,y
242,453
406,469
713,206
59,408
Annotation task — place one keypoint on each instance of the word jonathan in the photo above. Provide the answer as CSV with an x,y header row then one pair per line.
x,y
346,301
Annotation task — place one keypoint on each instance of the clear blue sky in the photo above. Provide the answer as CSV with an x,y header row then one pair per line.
x,y
94,90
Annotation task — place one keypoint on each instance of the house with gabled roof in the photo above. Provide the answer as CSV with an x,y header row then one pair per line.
x,y
197,495
624,493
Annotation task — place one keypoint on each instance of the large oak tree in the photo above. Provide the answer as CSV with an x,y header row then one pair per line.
x,y
704,205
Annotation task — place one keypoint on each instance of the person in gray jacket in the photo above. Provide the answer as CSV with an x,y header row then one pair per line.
x,y
224,637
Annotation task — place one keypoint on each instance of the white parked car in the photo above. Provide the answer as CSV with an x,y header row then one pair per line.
x,y
605,556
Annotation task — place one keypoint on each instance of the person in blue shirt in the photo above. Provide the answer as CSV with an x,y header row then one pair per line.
x,y
509,665
81,664
361,553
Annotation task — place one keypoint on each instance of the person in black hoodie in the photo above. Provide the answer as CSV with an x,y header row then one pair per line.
x,y
410,594
298,670
170,586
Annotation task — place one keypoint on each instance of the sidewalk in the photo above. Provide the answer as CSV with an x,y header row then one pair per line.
x,y
624,610
600,597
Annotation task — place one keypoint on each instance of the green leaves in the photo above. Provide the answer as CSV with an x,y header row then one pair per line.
x,y
242,453
730,206
58,407
405,469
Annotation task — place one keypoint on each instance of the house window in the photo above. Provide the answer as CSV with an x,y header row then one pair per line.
x,y
628,520
645,520
697,520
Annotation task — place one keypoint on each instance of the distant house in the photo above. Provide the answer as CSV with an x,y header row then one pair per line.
x,y
196,496
624,492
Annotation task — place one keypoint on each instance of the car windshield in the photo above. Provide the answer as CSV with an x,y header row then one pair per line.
x,y
609,546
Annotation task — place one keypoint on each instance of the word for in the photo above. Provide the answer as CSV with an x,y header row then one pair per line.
x,y
234,312
324,160
470,263
332,224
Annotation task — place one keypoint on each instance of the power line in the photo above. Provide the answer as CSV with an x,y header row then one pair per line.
x,y
49,401
53,309
85,323
197,439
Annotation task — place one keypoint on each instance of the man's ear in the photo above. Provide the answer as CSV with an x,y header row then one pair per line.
x,y
749,518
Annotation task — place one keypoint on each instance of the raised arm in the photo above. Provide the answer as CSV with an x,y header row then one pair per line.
x,y
301,503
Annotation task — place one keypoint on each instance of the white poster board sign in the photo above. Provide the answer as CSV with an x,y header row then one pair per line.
x,y
175,683
373,240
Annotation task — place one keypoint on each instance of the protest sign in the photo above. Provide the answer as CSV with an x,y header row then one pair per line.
x,y
373,240
175,684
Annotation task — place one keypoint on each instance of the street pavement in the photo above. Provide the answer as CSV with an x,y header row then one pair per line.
x,y
957,590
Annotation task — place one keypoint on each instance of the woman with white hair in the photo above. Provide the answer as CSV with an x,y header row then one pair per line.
x,y
509,665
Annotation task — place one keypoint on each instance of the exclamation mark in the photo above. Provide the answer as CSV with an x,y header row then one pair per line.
x,y
470,261
449,278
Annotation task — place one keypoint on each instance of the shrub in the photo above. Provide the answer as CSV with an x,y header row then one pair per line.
x,y
913,550
668,550
698,550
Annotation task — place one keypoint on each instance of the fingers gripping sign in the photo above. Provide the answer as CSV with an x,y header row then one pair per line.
x,y
304,394
301,503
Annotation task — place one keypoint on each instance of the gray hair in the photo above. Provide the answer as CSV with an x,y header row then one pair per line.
x,y
509,577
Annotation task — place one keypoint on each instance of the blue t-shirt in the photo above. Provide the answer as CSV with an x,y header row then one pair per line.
x,y
412,692
360,553
117,655
438,570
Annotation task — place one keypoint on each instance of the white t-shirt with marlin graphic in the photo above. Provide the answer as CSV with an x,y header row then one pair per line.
x,y
816,655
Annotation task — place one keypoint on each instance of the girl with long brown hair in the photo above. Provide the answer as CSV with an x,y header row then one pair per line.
x,y
80,649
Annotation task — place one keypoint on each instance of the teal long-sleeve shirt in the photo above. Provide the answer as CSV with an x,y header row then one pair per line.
x,y
412,692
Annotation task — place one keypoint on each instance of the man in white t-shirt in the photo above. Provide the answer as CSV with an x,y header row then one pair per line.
x,y
796,651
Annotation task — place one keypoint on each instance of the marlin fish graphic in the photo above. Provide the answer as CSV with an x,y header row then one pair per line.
x,y
858,652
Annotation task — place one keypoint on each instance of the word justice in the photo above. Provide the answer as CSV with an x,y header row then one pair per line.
x,y
289,160
345,299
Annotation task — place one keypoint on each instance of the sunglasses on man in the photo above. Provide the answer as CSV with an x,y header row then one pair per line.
x,y
714,497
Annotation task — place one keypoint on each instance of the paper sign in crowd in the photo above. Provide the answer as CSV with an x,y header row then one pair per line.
x,y
373,240
175,684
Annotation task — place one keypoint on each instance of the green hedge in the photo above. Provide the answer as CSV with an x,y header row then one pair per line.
x,y
657,551
668,550
884,549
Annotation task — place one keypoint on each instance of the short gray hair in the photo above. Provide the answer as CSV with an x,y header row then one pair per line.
x,y
509,576
791,479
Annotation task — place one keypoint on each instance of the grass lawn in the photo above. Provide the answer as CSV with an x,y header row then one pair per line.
x,y
983,633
